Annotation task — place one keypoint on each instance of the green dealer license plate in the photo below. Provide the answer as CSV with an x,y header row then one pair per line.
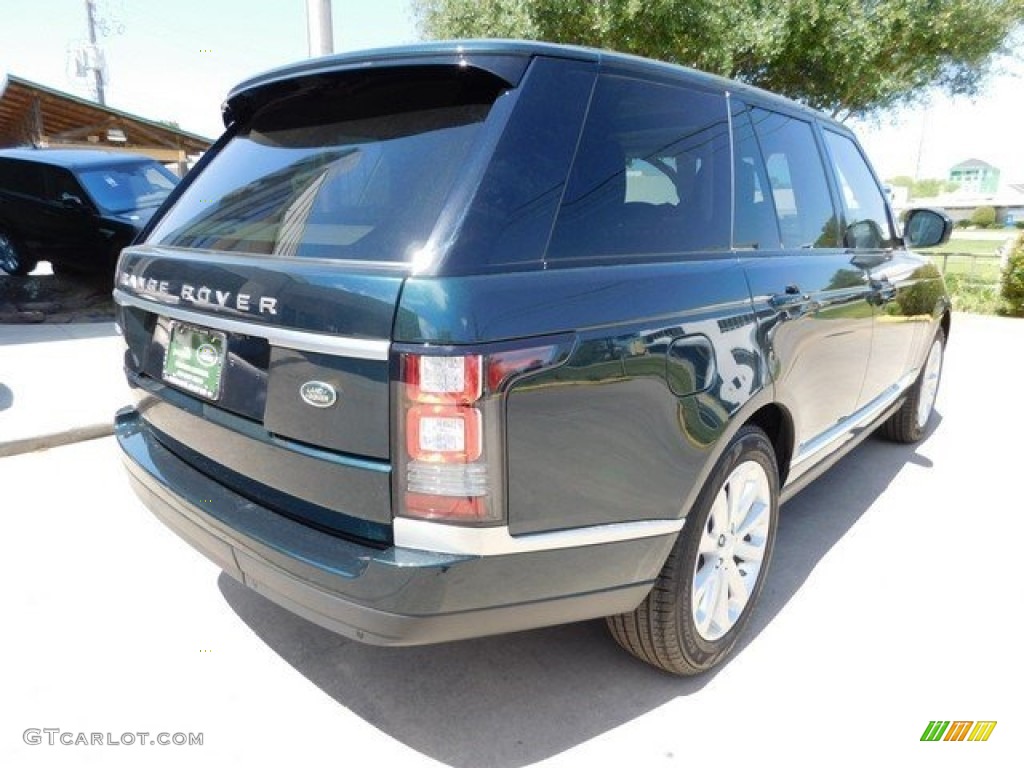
x,y
195,360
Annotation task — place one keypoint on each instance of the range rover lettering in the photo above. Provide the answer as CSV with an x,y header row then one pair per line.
x,y
465,338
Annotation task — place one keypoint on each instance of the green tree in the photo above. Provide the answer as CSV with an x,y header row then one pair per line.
x,y
1011,286
923,187
847,57
984,216
901,181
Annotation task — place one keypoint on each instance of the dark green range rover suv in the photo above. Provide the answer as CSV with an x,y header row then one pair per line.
x,y
460,339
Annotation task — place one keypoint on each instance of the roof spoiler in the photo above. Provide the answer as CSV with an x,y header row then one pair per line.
x,y
250,95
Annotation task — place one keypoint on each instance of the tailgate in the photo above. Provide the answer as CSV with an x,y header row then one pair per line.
x,y
298,401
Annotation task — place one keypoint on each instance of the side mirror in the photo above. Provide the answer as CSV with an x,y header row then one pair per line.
x,y
863,234
926,227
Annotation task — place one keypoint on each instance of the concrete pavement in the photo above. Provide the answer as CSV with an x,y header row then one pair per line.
x,y
58,384
890,603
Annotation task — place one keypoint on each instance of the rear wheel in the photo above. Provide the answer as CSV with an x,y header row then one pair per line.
x,y
706,591
909,423
11,260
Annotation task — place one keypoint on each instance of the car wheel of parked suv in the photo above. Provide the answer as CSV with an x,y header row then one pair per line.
x,y
908,424
707,589
11,261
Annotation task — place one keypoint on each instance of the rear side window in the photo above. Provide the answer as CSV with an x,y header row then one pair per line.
x,y
755,225
651,175
509,222
22,178
797,180
867,224
356,169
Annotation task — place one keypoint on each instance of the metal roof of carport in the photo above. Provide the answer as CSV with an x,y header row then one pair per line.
x,y
33,114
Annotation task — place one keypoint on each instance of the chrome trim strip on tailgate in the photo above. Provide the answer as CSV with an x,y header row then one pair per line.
x,y
305,341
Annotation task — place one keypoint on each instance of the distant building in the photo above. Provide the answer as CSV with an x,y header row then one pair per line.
x,y
1008,202
37,115
975,176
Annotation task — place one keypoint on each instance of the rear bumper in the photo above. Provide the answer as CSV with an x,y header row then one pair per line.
x,y
391,596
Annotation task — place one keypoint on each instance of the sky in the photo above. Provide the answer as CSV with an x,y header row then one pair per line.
x,y
948,131
177,60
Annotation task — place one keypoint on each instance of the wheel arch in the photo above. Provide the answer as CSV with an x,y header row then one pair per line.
x,y
776,422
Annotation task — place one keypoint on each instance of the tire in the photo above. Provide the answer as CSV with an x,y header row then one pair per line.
x,y
681,627
910,422
11,260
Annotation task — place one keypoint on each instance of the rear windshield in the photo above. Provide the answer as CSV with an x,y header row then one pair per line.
x,y
357,169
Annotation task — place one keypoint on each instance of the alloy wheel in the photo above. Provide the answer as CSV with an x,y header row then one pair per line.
x,y
9,262
732,550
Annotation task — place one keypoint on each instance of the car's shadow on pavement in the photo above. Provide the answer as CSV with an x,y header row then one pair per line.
x,y
516,699
55,298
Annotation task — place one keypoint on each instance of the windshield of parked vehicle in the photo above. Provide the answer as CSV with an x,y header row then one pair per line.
x,y
357,169
122,188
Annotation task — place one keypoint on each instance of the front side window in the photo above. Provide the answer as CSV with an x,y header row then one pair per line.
x,y
61,185
351,170
867,224
797,179
651,176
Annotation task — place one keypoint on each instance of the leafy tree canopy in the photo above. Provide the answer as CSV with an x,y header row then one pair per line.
x,y
920,188
846,57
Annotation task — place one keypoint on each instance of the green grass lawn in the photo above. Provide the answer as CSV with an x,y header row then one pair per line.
x,y
972,270
968,246
975,260
976,269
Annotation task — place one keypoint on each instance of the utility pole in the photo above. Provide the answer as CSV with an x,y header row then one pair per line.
x,y
920,146
321,32
97,69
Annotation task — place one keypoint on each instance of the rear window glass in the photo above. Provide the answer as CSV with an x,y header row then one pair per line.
x,y
356,170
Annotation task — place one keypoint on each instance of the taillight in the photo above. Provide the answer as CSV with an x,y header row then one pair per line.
x,y
450,455
443,434
444,379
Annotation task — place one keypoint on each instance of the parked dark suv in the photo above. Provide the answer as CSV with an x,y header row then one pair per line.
x,y
76,208
461,339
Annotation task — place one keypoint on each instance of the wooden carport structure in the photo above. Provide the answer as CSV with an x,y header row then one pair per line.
x,y
33,114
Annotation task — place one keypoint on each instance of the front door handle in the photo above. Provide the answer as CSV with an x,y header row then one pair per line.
x,y
882,291
790,297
